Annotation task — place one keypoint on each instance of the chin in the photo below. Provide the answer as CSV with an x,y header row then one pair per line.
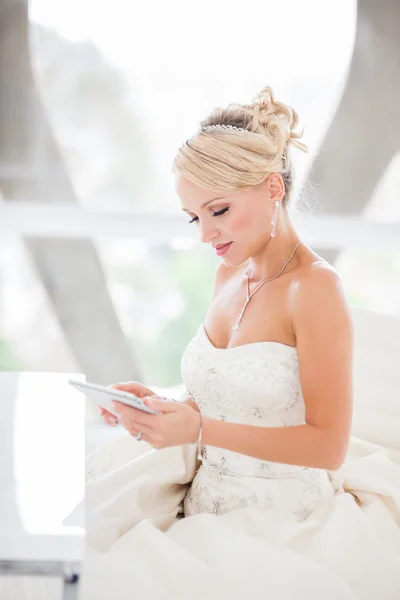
x,y
231,263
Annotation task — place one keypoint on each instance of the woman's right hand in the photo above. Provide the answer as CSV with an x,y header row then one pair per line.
x,y
134,387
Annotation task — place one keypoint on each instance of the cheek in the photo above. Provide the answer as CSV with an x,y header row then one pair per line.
x,y
239,224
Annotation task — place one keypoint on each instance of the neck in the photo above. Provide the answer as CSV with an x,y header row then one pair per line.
x,y
269,260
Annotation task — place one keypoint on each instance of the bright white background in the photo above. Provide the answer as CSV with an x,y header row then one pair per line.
x,y
173,63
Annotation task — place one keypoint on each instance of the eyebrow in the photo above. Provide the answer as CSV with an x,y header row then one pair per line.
x,y
205,203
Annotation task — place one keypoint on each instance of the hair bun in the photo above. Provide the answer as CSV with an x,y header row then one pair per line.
x,y
278,120
251,144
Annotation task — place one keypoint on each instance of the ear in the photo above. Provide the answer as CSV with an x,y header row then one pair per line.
x,y
276,187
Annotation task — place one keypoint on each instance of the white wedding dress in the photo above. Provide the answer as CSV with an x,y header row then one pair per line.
x,y
161,524
256,384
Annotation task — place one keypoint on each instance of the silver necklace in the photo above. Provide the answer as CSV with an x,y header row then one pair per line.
x,y
249,296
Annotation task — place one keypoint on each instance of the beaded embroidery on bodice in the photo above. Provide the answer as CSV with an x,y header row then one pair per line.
x,y
254,384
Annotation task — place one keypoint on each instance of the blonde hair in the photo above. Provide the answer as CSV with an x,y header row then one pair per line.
x,y
227,160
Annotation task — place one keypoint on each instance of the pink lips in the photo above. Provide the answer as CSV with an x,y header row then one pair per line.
x,y
222,249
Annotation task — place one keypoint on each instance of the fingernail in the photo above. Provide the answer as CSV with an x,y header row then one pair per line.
x,y
113,421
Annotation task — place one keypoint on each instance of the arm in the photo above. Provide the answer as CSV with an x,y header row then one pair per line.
x,y
323,328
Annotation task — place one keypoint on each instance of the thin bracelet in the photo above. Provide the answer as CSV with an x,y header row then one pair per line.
x,y
199,439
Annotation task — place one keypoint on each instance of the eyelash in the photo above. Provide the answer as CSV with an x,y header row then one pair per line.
x,y
219,213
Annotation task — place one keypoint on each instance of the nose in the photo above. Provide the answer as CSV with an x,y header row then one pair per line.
x,y
207,232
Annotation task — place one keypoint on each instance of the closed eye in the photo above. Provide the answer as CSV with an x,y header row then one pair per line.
x,y
215,214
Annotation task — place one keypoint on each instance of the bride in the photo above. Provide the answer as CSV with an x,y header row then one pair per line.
x,y
241,488
234,489
268,376
238,487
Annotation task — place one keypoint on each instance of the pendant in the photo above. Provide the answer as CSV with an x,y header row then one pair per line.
x,y
239,318
236,325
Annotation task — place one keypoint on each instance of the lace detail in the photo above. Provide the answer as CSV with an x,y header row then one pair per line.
x,y
298,494
99,464
256,384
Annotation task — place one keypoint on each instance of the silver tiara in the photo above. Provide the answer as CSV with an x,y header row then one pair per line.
x,y
220,126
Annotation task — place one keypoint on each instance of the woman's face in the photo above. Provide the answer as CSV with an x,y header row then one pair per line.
x,y
242,219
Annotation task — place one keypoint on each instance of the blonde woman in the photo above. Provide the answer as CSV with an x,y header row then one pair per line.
x,y
271,387
230,491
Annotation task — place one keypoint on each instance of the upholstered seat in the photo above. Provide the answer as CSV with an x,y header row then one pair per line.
x,y
376,415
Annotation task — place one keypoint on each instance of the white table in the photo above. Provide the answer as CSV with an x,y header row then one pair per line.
x,y
42,453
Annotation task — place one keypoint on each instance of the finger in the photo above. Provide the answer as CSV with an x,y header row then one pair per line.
x,y
134,428
108,417
144,438
161,405
133,387
111,420
134,414
103,412
147,433
131,424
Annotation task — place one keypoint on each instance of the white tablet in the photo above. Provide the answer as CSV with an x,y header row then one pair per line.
x,y
102,395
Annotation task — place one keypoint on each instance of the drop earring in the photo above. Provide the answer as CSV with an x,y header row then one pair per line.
x,y
274,219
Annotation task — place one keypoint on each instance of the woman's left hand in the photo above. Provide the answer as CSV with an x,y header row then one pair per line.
x,y
177,424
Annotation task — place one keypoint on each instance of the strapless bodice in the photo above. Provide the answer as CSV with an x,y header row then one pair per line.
x,y
255,384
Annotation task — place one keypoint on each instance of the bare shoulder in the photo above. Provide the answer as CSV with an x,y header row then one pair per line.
x,y
317,296
318,277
